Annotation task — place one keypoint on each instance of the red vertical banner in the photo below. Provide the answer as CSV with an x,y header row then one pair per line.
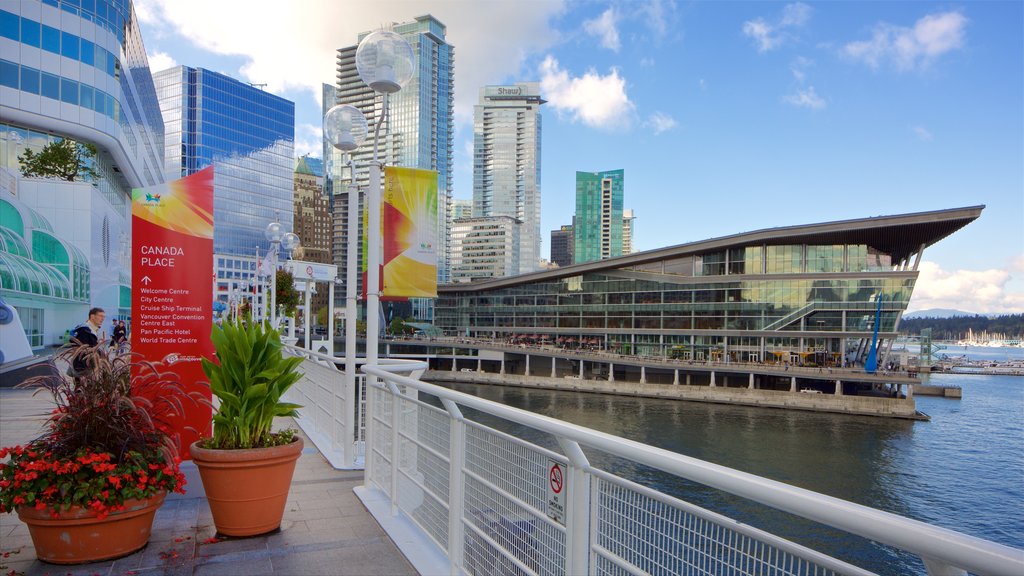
x,y
172,301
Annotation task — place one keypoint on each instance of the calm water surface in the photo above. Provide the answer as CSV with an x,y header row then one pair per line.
x,y
963,470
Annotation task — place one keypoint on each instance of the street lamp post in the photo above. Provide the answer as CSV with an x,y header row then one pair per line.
x,y
278,240
384,62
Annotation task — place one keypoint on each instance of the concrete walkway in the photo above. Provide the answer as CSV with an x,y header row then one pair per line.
x,y
326,529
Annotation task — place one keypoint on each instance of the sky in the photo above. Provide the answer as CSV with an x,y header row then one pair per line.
x,y
727,117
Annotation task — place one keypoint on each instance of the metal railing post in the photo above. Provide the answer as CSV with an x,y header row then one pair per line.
x,y
577,513
396,422
456,485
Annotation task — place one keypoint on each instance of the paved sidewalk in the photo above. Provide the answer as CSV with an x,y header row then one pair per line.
x,y
326,529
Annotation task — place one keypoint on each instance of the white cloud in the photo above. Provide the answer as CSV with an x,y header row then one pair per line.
x,y
806,99
646,62
799,67
658,14
161,61
979,291
923,133
768,35
303,51
605,28
309,140
597,101
913,47
661,122
703,85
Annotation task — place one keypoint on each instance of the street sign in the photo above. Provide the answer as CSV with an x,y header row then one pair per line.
x,y
172,307
556,491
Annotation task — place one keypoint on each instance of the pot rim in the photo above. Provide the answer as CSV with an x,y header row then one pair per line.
x,y
240,454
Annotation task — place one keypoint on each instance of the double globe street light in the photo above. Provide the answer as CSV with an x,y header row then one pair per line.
x,y
278,240
384,61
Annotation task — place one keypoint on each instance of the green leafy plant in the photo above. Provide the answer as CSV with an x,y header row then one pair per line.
x,y
287,296
108,439
64,159
249,377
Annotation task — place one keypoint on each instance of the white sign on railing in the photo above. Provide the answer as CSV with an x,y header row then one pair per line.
x,y
556,491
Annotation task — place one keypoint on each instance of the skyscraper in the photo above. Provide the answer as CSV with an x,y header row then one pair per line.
x,y
598,222
79,72
461,209
247,134
506,161
418,132
562,246
627,231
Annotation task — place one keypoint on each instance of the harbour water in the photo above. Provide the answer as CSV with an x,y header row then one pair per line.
x,y
963,470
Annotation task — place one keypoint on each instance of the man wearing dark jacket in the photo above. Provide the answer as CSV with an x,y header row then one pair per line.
x,y
86,334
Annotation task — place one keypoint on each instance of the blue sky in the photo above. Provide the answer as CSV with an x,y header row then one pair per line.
x,y
727,117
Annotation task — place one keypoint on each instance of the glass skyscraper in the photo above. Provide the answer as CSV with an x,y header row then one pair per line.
x,y
72,70
419,131
247,134
506,162
598,222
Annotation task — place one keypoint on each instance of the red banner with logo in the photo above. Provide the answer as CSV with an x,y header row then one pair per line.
x,y
172,295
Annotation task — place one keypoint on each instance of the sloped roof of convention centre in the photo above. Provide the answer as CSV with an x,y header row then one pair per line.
x,y
898,235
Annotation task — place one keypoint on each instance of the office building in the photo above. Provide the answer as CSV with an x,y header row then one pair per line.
x,y
461,209
418,133
247,135
485,247
312,219
627,231
799,294
562,246
79,72
598,220
506,161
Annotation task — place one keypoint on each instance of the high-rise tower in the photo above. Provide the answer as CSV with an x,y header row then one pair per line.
x,y
247,134
598,224
419,130
506,161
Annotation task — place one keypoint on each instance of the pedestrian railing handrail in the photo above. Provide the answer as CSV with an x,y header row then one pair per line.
x,y
942,550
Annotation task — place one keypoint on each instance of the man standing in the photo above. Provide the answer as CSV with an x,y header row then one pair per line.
x,y
85,335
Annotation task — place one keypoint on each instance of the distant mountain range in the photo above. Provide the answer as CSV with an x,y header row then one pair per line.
x,y
944,313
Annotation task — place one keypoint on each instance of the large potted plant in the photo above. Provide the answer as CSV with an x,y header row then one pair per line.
x,y
89,486
247,467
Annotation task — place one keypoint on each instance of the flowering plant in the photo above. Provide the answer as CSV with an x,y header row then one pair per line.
x,y
107,441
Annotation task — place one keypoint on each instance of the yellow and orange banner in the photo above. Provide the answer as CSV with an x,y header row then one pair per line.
x,y
409,229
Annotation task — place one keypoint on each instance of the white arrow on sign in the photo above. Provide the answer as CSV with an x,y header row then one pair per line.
x,y
146,280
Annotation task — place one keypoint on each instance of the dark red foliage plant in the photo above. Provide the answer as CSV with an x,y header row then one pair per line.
x,y
108,439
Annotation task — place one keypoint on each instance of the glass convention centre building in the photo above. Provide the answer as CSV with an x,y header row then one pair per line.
x,y
805,295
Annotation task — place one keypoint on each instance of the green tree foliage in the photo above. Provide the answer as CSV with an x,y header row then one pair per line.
x,y
287,295
321,316
64,159
956,328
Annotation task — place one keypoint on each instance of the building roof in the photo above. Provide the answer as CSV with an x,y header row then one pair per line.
x,y
900,236
309,166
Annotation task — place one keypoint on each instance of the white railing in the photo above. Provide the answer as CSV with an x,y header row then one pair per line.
x,y
488,501
332,416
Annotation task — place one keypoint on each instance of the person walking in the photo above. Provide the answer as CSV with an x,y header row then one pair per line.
x,y
119,336
86,336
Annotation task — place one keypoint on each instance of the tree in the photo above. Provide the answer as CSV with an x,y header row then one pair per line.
x,y
321,316
287,295
64,159
397,326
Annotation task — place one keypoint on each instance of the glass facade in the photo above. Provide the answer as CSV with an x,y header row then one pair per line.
x,y
750,297
598,221
77,69
247,134
506,162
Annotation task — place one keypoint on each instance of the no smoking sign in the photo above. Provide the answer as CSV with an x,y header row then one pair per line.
x,y
556,491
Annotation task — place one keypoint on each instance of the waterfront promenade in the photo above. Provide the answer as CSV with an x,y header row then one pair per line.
x,y
326,529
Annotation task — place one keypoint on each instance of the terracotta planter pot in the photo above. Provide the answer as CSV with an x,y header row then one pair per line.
x,y
247,489
77,536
